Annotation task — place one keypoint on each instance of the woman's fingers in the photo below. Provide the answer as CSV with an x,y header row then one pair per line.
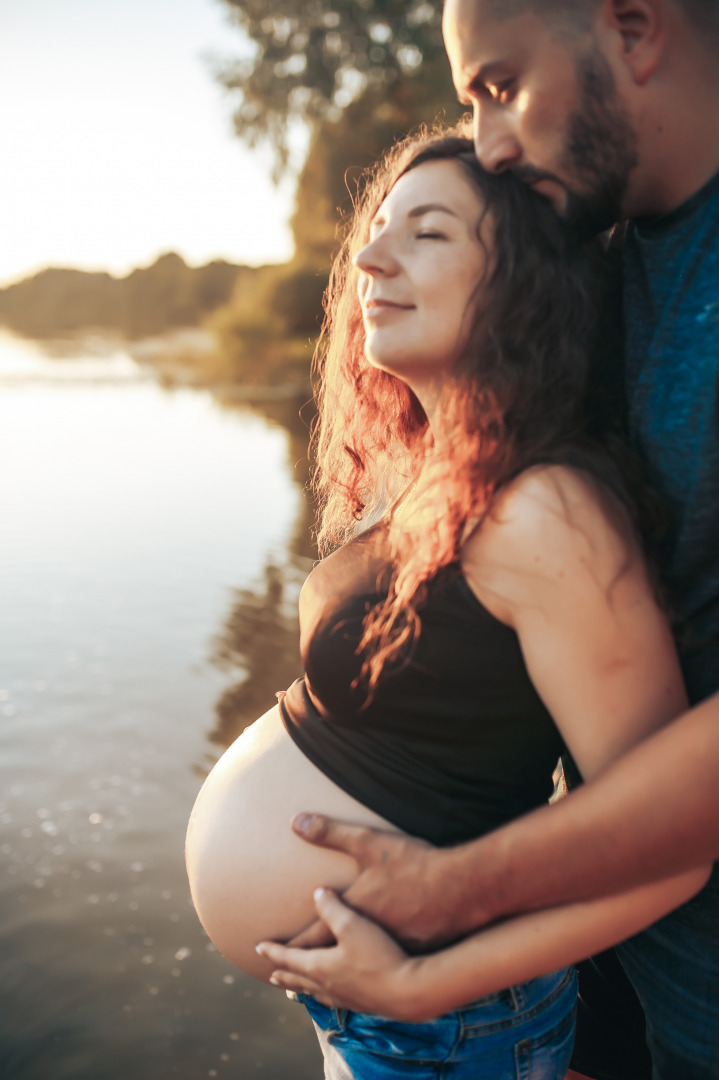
x,y
288,980
298,961
337,916
360,972
320,934
316,935
313,963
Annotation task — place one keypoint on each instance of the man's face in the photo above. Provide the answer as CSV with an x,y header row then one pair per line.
x,y
545,107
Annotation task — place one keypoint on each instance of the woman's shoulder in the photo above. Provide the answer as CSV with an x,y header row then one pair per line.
x,y
549,523
551,488
557,502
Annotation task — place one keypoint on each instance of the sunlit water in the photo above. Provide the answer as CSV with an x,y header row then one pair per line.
x,y
140,530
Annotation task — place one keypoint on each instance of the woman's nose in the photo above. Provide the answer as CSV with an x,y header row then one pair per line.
x,y
377,257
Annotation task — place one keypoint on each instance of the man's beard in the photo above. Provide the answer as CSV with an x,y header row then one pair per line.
x,y
601,150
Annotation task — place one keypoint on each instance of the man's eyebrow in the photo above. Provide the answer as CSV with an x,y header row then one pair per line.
x,y
425,208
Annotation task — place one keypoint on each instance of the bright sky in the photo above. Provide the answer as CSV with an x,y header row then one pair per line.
x,y
116,144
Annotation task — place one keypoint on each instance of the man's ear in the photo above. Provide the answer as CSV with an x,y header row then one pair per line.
x,y
641,25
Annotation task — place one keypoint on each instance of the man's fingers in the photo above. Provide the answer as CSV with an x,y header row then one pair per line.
x,y
325,832
315,936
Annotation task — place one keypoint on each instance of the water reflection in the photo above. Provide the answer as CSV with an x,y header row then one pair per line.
x,y
134,522
259,641
293,416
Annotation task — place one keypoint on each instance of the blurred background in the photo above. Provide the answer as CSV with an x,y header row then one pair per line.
x,y
173,175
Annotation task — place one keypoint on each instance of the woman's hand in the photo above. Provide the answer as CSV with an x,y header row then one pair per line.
x,y
365,970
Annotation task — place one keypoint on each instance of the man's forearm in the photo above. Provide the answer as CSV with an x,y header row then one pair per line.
x,y
652,813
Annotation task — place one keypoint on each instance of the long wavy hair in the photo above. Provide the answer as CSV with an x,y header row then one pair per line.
x,y
517,398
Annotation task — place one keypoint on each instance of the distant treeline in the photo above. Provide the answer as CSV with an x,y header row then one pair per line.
x,y
148,301
264,321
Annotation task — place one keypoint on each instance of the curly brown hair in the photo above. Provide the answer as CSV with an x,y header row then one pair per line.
x,y
518,395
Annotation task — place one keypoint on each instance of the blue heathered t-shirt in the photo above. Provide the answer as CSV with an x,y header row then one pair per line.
x,y
671,306
671,322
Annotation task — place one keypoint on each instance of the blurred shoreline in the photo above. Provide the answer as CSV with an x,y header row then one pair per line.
x,y
219,325
177,358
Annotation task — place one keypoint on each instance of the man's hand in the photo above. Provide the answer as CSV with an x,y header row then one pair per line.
x,y
365,971
403,884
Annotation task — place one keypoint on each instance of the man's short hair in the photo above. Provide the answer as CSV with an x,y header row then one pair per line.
x,y
703,13
561,11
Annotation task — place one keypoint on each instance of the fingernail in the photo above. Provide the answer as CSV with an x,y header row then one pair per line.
x,y
274,980
319,893
259,950
302,822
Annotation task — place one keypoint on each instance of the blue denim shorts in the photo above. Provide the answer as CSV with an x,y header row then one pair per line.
x,y
524,1033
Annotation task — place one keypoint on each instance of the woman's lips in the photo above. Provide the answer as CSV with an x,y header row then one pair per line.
x,y
373,308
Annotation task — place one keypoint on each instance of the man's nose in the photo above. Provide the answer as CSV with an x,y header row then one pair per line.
x,y
495,143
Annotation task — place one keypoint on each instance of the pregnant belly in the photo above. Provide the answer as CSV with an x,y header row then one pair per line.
x,y
251,878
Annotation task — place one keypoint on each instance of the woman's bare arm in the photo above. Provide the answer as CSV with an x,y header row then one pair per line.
x,y
551,563
649,813
368,972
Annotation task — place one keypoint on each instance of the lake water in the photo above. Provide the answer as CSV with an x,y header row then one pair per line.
x,y
152,545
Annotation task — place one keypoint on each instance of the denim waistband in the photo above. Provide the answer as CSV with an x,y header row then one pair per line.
x,y
522,999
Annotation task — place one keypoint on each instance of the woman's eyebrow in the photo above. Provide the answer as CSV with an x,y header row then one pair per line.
x,y
418,211
426,207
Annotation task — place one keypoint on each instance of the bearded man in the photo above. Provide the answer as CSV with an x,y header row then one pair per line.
x,y
609,109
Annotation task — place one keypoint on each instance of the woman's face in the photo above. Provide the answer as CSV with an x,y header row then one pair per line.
x,y
420,271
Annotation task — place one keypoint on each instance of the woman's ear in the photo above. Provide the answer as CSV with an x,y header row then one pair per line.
x,y
641,25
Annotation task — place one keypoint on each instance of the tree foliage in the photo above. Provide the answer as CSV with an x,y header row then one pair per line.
x,y
312,58
264,332
350,70
342,148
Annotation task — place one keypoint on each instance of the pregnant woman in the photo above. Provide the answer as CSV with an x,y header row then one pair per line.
x,y
484,603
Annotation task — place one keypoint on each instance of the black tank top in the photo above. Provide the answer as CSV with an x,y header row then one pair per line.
x,y
455,740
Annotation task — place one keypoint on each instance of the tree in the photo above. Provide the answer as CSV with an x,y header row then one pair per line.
x,y
341,148
349,70
312,59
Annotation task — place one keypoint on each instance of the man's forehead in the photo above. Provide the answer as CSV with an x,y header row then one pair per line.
x,y
479,22
466,17
476,42
485,16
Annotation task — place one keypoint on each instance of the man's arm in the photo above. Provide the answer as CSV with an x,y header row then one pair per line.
x,y
654,812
